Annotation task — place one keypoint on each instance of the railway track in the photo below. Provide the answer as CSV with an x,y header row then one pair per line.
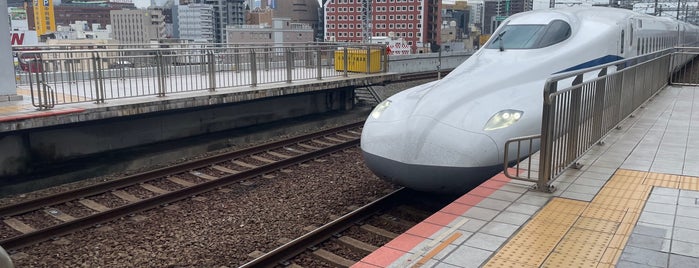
x,y
45,218
346,240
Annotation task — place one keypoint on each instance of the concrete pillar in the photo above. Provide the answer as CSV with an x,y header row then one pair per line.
x,y
8,87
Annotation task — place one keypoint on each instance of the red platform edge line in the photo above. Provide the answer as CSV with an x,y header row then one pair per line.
x,y
402,244
40,114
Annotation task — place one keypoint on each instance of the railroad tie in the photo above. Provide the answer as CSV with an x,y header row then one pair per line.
x,y
181,181
322,143
353,132
378,231
333,258
224,169
19,225
334,139
243,164
309,146
153,188
259,158
397,221
203,175
294,150
356,244
126,196
59,214
279,155
93,205
349,137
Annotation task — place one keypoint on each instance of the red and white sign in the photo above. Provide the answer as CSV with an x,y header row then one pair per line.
x,y
399,49
23,38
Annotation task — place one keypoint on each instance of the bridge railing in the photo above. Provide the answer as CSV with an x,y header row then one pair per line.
x,y
58,76
579,110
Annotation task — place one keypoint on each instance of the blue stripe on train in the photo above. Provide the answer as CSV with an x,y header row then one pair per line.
x,y
593,63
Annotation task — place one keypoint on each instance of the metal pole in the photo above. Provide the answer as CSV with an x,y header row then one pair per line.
x,y
253,68
289,64
160,65
368,59
212,71
547,131
344,62
439,65
319,62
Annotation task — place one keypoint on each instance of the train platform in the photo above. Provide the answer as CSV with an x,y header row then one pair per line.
x,y
633,203
22,115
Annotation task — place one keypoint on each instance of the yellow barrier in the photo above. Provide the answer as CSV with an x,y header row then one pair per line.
x,y
357,60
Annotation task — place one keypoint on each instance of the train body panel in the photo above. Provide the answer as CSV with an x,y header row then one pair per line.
x,y
449,135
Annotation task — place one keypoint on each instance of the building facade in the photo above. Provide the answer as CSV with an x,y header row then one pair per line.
x,y
259,16
81,30
497,11
282,30
226,13
69,12
137,26
301,11
418,22
194,22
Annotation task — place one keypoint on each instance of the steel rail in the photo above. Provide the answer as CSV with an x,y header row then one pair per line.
x,y
31,205
85,222
301,244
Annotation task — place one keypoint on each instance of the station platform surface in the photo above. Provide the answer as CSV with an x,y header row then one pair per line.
x,y
634,203
22,115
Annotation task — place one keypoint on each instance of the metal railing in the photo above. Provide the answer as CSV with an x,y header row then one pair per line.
x,y
688,76
577,117
57,77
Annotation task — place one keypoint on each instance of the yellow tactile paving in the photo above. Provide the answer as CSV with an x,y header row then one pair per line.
x,y
570,233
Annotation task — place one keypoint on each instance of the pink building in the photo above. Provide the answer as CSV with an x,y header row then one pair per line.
x,y
416,21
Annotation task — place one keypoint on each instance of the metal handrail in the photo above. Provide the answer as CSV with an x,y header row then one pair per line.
x,y
576,117
100,75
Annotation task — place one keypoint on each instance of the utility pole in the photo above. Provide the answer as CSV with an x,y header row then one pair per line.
x,y
366,21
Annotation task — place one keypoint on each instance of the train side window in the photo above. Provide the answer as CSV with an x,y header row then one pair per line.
x,y
530,36
638,46
622,42
630,34
556,32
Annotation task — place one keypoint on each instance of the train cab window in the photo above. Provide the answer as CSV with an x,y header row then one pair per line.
x,y
530,36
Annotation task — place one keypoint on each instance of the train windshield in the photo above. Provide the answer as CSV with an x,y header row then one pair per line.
x,y
531,35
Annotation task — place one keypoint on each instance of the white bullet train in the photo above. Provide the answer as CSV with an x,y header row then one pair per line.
x,y
449,135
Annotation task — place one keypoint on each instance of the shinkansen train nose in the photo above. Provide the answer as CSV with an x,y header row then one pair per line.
x,y
434,157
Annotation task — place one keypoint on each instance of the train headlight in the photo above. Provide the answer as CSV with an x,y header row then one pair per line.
x,y
376,113
503,119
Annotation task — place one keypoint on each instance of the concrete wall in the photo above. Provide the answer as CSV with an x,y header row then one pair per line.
x,y
33,151
427,61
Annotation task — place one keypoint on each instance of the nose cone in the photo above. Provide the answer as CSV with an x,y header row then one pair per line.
x,y
429,155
